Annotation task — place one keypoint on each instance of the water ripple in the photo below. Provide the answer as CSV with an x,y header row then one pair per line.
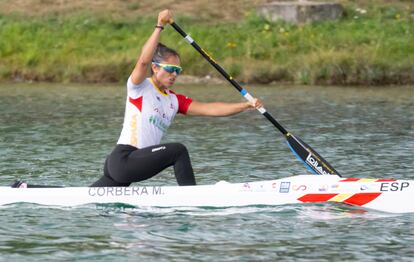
x,y
61,135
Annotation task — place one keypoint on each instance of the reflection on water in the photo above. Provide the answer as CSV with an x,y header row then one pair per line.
x,y
60,134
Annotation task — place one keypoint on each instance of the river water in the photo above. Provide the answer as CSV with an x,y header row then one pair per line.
x,y
60,134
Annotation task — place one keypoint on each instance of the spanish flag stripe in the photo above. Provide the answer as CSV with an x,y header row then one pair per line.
x,y
361,199
340,197
316,197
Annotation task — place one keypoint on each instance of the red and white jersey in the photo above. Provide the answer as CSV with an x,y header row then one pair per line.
x,y
149,112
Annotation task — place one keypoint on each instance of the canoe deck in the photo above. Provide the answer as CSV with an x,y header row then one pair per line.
x,y
386,195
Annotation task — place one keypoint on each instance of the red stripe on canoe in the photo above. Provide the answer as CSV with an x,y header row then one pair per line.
x,y
361,199
316,197
350,179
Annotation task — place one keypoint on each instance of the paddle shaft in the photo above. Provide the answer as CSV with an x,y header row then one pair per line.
x,y
228,77
304,152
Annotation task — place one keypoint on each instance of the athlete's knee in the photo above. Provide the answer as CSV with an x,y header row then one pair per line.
x,y
180,149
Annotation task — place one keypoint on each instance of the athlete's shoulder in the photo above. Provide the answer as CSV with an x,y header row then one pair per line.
x,y
146,82
177,95
183,102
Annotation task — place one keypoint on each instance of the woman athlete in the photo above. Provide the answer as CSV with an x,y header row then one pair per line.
x,y
150,109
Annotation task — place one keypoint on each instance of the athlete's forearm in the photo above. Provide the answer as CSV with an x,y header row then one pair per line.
x,y
217,108
149,48
144,61
228,109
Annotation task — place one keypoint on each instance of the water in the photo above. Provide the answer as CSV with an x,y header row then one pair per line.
x,y
60,134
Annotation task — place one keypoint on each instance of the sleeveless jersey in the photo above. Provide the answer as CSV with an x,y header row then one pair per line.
x,y
149,112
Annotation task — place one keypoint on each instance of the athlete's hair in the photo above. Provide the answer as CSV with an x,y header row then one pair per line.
x,y
162,53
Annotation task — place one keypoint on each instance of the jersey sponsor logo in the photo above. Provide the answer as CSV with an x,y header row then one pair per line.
x,y
158,122
162,114
158,149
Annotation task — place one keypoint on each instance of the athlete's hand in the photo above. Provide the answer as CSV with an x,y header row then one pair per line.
x,y
256,103
164,17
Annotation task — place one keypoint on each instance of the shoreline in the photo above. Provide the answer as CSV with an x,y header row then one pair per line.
x,y
185,80
373,48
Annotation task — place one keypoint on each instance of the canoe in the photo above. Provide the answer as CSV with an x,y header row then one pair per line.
x,y
387,195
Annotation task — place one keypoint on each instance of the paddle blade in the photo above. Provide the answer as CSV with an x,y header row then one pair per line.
x,y
309,157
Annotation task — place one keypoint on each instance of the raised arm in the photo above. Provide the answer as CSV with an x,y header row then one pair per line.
x,y
144,61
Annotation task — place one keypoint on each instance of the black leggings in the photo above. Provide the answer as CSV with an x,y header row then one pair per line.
x,y
127,164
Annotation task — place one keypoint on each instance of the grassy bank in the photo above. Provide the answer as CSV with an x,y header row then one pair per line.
x,y
370,45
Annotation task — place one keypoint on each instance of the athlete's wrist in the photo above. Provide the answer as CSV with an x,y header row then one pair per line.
x,y
247,105
161,27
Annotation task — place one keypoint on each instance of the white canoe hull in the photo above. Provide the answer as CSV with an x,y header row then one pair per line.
x,y
386,195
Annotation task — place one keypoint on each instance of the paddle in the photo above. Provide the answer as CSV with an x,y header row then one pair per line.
x,y
305,153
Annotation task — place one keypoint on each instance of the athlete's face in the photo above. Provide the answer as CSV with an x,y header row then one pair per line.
x,y
164,78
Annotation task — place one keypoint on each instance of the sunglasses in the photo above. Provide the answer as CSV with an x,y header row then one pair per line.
x,y
169,68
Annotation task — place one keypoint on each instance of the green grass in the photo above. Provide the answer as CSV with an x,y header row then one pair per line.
x,y
375,48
